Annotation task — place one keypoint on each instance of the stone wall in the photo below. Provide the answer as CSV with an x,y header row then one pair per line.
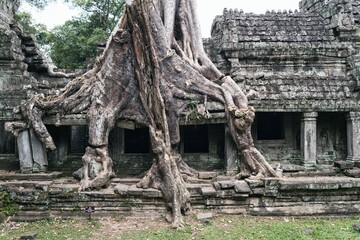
x,y
272,197
7,10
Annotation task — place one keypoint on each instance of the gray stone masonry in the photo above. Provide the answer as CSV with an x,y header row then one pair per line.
x,y
44,199
7,10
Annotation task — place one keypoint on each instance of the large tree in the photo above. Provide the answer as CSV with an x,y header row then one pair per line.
x,y
153,67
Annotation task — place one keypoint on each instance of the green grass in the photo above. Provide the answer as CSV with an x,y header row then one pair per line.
x,y
55,229
221,227
256,228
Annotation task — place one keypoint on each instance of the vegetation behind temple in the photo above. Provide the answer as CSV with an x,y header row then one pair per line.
x,y
76,40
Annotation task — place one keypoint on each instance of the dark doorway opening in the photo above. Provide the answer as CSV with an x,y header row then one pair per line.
x,y
136,141
196,139
270,126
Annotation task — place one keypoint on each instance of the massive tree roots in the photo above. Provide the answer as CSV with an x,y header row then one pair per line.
x,y
153,66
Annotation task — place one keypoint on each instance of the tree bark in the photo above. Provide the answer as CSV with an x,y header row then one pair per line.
x,y
153,66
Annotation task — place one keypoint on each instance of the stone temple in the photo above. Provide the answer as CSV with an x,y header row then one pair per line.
x,y
304,66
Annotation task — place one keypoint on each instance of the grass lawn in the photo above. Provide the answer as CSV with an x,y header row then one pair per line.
x,y
220,227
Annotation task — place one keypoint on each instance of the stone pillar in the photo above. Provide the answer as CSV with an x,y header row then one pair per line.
x,y
38,153
25,155
353,136
231,155
308,139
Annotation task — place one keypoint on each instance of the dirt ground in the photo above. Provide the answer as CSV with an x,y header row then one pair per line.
x,y
113,227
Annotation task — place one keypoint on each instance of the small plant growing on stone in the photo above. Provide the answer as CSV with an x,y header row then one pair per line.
x,y
8,208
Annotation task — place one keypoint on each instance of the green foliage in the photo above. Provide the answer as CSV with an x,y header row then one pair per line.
x,y
8,207
74,41
39,30
193,111
103,13
39,3
77,39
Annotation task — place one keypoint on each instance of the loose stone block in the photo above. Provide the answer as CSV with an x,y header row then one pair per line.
x,y
241,187
208,191
356,227
255,183
226,184
343,165
151,192
121,189
28,236
353,173
135,191
204,217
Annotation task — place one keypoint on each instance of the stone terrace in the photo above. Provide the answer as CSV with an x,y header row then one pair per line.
x,y
48,198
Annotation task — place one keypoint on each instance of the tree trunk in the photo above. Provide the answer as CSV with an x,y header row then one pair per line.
x,y
153,67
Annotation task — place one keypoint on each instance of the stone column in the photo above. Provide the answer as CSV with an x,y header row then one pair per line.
x,y
231,155
353,136
25,154
38,153
308,139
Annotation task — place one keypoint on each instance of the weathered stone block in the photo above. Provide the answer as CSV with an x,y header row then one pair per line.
x,y
204,217
28,236
151,192
258,191
207,175
353,173
356,227
121,189
343,165
255,183
241,187
196,188
135,191
224,178
226,184
208,191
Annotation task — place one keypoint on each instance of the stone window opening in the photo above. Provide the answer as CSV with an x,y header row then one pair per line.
x,y
270,126
196,139
136,141
79,138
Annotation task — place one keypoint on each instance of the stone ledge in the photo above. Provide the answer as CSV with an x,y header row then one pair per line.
x,y
271,196
30,176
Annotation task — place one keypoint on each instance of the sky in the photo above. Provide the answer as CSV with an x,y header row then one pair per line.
x,y
57,13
